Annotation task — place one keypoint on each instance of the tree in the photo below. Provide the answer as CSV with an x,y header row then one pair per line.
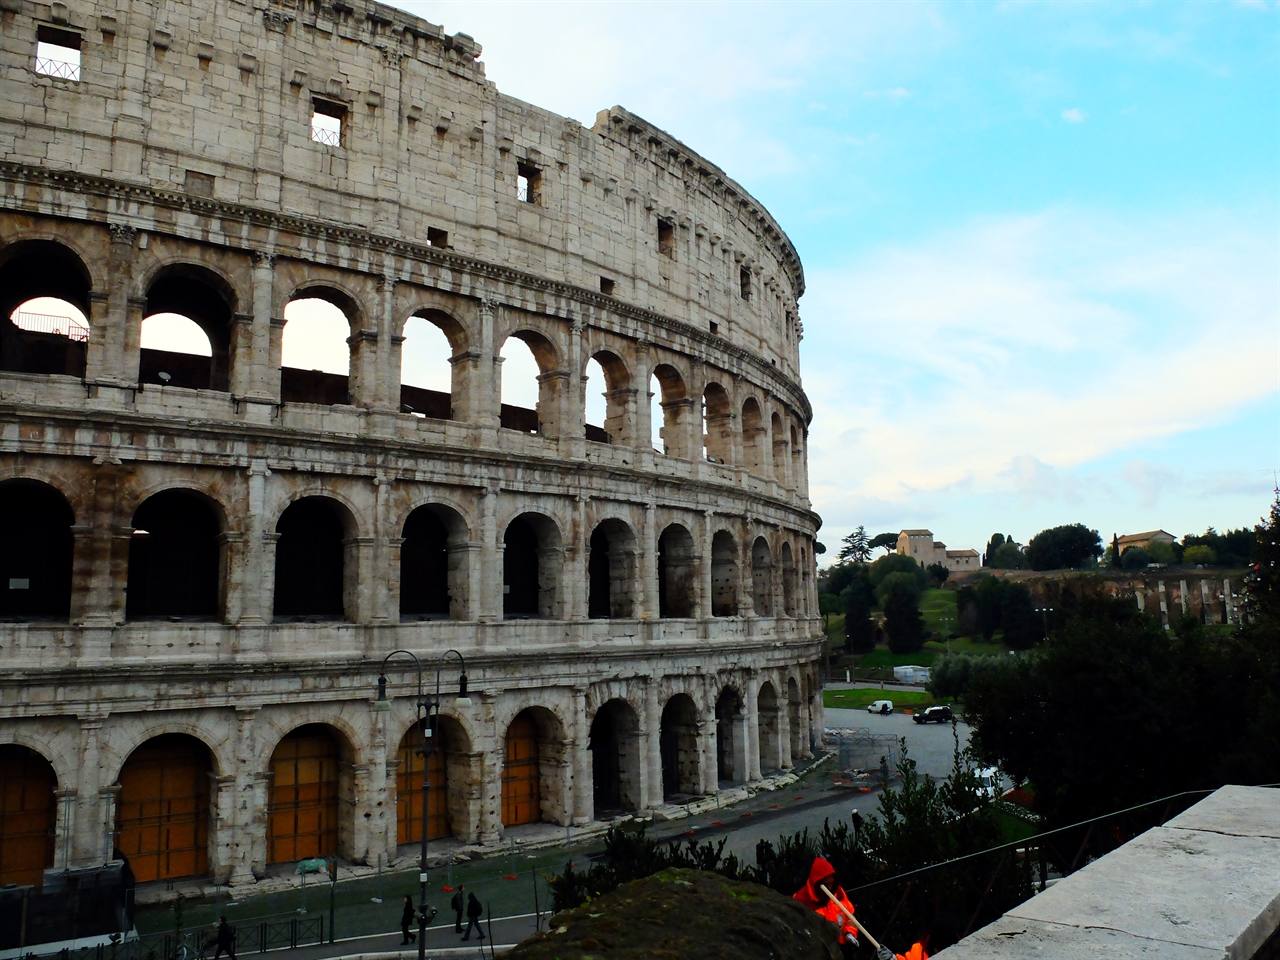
x,y
1063,548
819,548
987,596
1007,556
1199,554
856,600
1135,558
828,603
938,573
1161,552
1233,547
904,580
903,622
1023,627
856,547
887,541
1262,584
898,563
1113,558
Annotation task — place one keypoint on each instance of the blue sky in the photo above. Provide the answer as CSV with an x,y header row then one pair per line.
x,y
1040,239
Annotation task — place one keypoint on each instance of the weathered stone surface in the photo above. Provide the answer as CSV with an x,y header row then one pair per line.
x,y
180,169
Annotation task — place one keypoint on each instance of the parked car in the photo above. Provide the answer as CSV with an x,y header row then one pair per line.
x,y
934,715
882,707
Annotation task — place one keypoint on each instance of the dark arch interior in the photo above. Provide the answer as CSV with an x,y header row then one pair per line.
x,y
728,707
309,561
610,571
41,268
598,575
424,566
724,576
173,558
35,552
615,759
198,295
520,570
675,572
678,744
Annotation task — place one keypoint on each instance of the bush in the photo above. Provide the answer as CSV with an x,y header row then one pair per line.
x,y
1161,552
1135,558
938,574
1008,556
1199,553
898,582
898,563
1063,548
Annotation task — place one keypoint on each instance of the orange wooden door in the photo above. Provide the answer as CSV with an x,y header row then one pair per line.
x,y
303,818
521,797
27,815
409,793
162,813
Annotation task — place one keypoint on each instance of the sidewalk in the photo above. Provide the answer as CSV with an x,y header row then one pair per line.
x,y
442,942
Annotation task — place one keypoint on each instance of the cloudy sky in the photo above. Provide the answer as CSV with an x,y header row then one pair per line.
x,y
1040,240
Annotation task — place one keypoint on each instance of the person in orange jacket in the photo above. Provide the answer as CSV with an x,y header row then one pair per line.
x,y
821,874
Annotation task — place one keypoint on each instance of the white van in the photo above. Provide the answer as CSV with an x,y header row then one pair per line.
x,y
882,707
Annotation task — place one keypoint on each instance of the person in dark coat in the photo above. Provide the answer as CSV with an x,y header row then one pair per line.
x,y
226,940
407,919
459,904
474,912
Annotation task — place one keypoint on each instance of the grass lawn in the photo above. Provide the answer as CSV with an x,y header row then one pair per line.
x,y
861,699
938,607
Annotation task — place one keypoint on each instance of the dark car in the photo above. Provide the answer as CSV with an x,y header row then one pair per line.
x,y
934,715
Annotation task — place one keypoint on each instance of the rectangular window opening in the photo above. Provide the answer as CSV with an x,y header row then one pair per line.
x,y
58,53
715,327
528,183
666,238
437,238
606,286
327,121
744,282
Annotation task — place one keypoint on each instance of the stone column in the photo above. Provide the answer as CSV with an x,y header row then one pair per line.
x,y
574,576
705,592
752,723
105,351
583,789
648,565
784,725
651,728
67,799
89,829
708,768
492,746
222,797
248,854
359,579
486,392
489,592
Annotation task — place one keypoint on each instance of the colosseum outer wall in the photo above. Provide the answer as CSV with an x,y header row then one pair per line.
x,y
177,170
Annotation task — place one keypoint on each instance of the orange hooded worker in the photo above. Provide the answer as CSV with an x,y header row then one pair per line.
x,y
823,874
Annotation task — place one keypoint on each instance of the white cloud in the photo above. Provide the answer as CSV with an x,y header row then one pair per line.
x,y
1074,115
897,93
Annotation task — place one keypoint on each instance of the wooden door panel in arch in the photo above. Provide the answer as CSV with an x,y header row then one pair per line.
x,y
303,820
27,815
162,814
409,793
521,794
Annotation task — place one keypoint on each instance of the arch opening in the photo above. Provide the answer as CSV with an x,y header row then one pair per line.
x,y
677,573
36,547
752,437
447,762
433,573
724,575
427,370
611,409
779,448
761,578
769,729
187,329
174,559
670,410
163,810
678,744
315,348
44,291
311,561
28,815
532,774
730,737
531,566
311,776
797,457
717,425
793,719
616,756
611,571
788,581
529,392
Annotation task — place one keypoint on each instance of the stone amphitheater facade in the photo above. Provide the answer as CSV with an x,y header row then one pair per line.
x,y
205,559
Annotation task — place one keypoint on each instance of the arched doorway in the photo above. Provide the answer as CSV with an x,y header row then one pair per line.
x,y
424,567
310,561
449,772
162,813
173,558
678,744
761,578
615,759
611,571
752,437
717,424
730,745
521,772
28,815
197,295
676,573
531,566
769,733
316,347
35,552
306,783
724,575
669,411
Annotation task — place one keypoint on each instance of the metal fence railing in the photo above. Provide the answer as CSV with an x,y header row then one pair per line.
x,y
197,943
50,323
61,69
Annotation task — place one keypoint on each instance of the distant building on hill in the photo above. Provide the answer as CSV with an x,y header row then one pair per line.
x,y
1143,540
921,547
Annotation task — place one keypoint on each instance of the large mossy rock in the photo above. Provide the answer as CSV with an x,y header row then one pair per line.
x,y
686,915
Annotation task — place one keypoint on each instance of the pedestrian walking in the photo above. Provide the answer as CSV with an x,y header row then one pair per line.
x,y
474,912
407,919
226,940
459,904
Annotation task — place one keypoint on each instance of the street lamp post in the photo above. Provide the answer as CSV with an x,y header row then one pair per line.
x,y
428,708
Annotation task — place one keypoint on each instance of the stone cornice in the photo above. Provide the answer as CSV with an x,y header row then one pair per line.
x,y
122,195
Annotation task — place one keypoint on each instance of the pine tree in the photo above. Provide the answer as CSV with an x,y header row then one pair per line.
x,y
1262,585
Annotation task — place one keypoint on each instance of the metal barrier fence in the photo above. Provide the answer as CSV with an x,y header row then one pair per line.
x,y
197,943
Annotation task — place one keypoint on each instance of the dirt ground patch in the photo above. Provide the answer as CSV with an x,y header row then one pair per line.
x,y
686,915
